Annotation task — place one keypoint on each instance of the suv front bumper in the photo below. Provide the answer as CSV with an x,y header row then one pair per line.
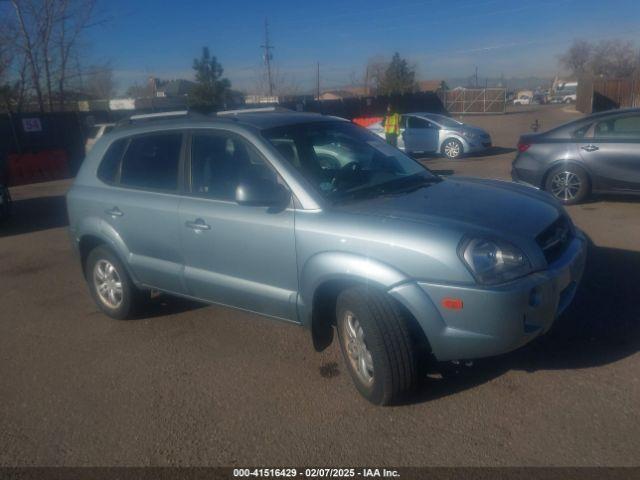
x,y
495,319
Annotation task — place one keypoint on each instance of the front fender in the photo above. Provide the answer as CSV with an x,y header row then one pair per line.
x,y
341,266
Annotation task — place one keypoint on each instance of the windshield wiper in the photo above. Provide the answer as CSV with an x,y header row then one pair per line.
x,y
392,187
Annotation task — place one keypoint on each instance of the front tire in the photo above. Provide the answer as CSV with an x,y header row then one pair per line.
x,y
568,183
110,284
452,148
376,345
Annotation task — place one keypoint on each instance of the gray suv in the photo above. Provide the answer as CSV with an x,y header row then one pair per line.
x,y
318,222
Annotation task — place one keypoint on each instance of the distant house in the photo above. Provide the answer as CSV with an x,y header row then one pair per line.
x,y
344,92
174,88
336,95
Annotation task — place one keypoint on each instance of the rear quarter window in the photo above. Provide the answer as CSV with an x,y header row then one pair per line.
x,y
108,169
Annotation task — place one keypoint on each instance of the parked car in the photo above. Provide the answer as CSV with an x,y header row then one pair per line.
x,y
599,153
539,99
95,132
564,97
522,100
566,93
241,211
435,133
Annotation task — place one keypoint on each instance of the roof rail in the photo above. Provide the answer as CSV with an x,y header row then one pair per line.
x,y
145,116
252,110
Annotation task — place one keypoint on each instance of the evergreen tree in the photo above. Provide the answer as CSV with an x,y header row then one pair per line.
x,y
211,90
399,77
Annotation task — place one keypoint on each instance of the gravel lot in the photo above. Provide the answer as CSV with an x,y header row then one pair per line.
x,y
203,385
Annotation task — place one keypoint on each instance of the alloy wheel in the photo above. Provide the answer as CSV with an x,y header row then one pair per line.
x,y
565,185
357,352
452,149
108,284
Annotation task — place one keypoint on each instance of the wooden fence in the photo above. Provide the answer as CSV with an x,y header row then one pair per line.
x,y
599,94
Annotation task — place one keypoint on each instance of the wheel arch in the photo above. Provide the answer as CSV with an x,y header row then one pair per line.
x,y
95,232
327,274
560,162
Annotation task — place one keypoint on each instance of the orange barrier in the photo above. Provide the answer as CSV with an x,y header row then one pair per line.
x,y
366,121
37,167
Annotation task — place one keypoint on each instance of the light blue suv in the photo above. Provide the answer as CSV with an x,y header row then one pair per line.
x,y
315,221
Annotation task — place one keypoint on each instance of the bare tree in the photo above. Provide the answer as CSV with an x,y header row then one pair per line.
x,y
100,84
29,45
48,32
577,58
75,17
608,58
614,58
374,74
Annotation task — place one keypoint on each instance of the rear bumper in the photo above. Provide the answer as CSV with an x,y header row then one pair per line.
x,y
525,169
498,319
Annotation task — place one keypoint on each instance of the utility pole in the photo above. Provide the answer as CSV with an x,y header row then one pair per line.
x,y
318,81
476,76
268,56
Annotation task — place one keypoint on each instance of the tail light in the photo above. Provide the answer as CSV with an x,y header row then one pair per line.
x,y
523,147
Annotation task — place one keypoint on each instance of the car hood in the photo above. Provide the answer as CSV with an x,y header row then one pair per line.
x,y
490,205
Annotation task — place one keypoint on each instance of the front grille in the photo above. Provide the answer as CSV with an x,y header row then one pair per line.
x,y
555,239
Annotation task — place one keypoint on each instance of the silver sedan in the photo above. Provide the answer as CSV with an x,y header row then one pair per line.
x,y
435,133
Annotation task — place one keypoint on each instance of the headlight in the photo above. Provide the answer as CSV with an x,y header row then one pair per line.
x,y
493,261
469,135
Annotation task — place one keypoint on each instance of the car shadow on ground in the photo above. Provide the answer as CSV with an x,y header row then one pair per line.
x,y
35,214
489,152
164,305
613,198
600,327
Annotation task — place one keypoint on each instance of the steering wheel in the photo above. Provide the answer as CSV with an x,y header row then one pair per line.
x,y
346,171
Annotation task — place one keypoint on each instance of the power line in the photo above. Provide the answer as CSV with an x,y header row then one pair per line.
x,y
268,56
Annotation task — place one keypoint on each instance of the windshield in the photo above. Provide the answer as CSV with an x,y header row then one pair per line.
x,y
343,160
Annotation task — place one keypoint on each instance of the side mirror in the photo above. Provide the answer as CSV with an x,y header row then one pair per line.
x,y
259,192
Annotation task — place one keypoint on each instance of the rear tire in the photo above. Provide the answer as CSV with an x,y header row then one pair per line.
x,y
110,284
376,345
452,148
569,184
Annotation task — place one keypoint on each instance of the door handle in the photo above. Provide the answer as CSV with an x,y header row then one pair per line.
x,y
198,224
114,212
589,148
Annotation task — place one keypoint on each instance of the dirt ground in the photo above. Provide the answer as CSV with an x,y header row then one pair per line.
x,y
205,385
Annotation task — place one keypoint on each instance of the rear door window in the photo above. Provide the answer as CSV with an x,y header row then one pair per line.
x,y
152,162
627,127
